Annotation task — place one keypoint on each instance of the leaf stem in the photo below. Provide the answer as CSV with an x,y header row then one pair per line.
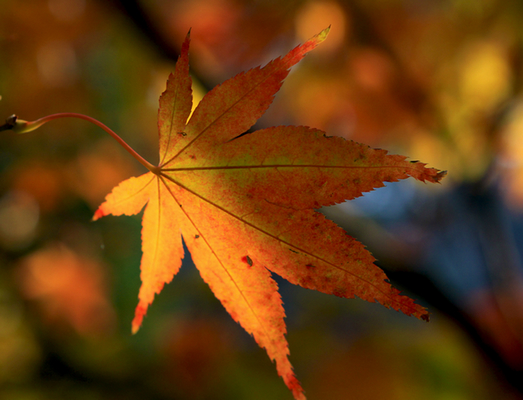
x,y
21,126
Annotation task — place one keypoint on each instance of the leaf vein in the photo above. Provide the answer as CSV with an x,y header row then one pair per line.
x,y
285,166
267,76
285,242
217,258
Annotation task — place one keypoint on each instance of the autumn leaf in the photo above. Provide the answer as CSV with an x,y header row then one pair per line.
x,y
245,204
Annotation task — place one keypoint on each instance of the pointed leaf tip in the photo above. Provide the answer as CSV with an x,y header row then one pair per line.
x,y
98,214
440,175
320,37
139,313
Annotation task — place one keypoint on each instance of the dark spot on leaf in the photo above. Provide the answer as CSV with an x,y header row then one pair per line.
x,y
182,133
248,260
294,251
310,266
196,236
440,175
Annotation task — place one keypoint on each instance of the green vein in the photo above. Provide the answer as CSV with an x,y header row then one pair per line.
x,y
286,166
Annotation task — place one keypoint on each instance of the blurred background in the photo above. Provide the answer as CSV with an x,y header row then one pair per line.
x,y
437,80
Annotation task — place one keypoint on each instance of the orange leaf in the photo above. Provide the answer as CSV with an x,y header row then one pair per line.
x,y
245,205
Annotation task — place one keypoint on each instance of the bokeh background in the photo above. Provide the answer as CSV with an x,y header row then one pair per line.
x,y
437,80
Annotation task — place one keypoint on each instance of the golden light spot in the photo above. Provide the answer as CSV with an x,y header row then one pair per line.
x,y
66,10
57,63
485,75
318,15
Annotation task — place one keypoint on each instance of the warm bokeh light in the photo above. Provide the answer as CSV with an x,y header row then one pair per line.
x,y
315,16
437,81
69,289
57,63
66,10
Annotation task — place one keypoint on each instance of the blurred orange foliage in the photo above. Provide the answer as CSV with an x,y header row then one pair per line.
x,y
70,290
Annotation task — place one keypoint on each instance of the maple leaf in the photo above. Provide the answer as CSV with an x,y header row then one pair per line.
x,y
245,204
